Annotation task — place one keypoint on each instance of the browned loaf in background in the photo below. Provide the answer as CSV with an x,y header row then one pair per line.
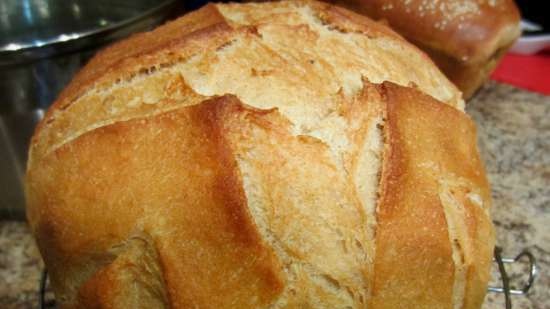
x,y
276,155
465,38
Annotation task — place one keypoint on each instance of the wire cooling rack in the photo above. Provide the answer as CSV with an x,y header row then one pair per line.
x,y
45,302
506,289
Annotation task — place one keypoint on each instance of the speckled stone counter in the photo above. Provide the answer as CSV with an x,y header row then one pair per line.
x,y
514,139
20,267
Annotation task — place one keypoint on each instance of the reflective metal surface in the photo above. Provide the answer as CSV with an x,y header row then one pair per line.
x,y
35,84
15,132
506,289
43,43
29,28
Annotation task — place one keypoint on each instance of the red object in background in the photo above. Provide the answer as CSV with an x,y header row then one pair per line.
x,y
531,72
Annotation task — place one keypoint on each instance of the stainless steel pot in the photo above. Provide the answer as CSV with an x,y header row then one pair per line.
x,y
43,43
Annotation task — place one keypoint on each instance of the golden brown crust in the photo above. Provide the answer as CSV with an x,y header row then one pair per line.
x,y
145,52
462,36
468,77
117,56
406,205
134,271
429,145
205,237
313,222
232,159
468,30
206,31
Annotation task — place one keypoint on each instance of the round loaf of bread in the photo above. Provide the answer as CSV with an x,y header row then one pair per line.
x,y
275,155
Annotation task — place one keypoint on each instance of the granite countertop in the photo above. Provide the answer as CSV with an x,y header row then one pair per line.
x,y
514,139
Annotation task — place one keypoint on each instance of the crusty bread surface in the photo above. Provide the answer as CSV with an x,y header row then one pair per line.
x,y
465,38
274,155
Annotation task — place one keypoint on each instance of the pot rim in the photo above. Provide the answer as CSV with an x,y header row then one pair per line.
x,y
14,53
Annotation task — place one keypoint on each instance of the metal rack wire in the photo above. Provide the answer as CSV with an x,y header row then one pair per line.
x,y
506,289
44,303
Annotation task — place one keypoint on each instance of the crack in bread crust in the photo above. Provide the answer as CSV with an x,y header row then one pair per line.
x,y
261,147
427,141
116,91
326,272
